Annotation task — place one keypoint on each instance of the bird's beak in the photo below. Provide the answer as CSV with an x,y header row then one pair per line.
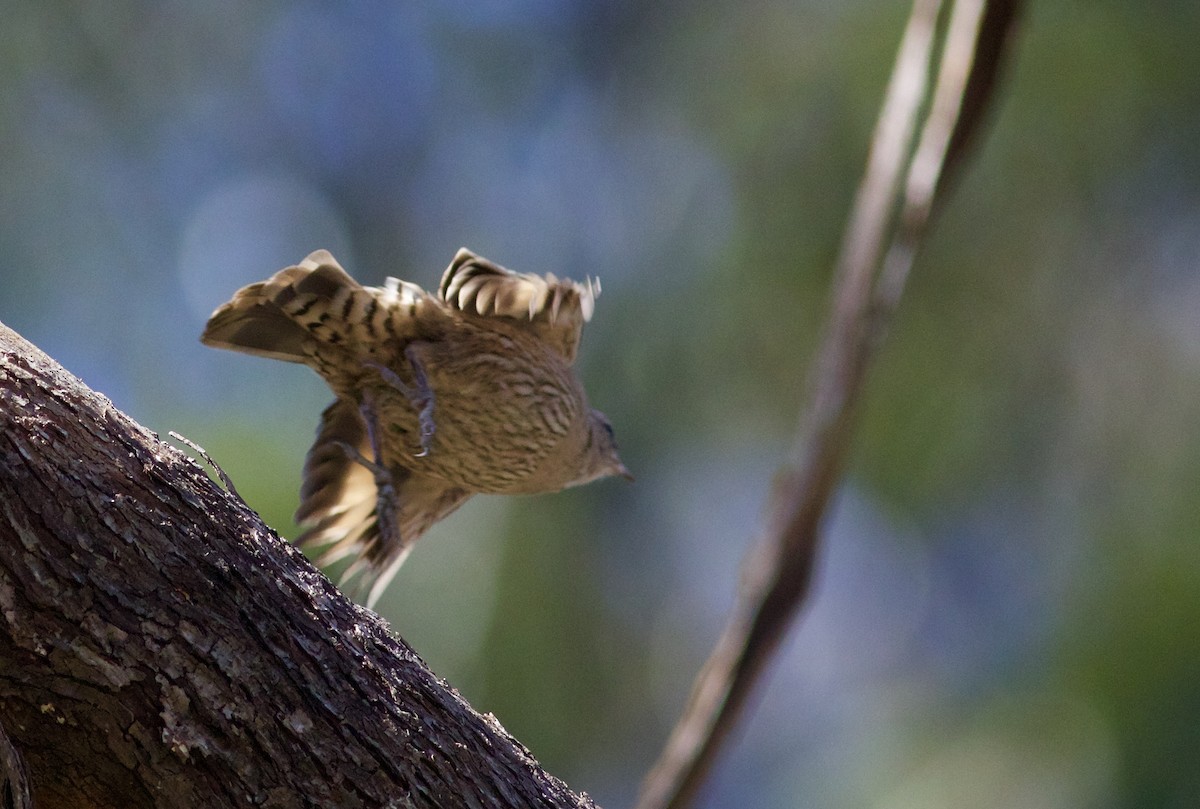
x,y
623,472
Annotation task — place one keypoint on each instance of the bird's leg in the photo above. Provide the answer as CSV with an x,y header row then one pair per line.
x,y
425,415
386,504
419,394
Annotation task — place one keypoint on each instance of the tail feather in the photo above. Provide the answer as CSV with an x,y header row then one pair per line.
x,y
339,503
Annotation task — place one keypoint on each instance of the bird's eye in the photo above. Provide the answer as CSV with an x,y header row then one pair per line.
x,y
608,429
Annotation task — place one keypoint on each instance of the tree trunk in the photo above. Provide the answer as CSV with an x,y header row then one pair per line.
x,y
160,646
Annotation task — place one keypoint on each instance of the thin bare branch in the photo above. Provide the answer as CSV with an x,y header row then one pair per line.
x,y
877,252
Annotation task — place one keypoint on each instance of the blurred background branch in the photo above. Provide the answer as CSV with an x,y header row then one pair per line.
x,y
876,256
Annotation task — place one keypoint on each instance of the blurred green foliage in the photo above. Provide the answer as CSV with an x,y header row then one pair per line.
x,y
1006,608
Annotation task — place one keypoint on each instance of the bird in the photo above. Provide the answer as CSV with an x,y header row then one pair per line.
x,y
438,397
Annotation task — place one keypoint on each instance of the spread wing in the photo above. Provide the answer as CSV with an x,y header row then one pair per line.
x,y
277,317
339,499
554,310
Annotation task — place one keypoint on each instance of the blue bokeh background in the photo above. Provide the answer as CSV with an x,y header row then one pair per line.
x,y
1006,612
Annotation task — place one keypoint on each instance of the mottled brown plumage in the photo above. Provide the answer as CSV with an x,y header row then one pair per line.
x,y
438,396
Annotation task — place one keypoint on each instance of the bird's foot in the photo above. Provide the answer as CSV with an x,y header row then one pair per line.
x,y
387,500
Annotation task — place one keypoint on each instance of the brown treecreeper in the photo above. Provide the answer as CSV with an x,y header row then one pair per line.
x,y
438,396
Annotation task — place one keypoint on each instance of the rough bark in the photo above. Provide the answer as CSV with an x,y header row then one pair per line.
x,y
160,646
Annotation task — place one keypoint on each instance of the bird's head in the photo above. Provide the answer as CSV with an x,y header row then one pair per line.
x,y
600,458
